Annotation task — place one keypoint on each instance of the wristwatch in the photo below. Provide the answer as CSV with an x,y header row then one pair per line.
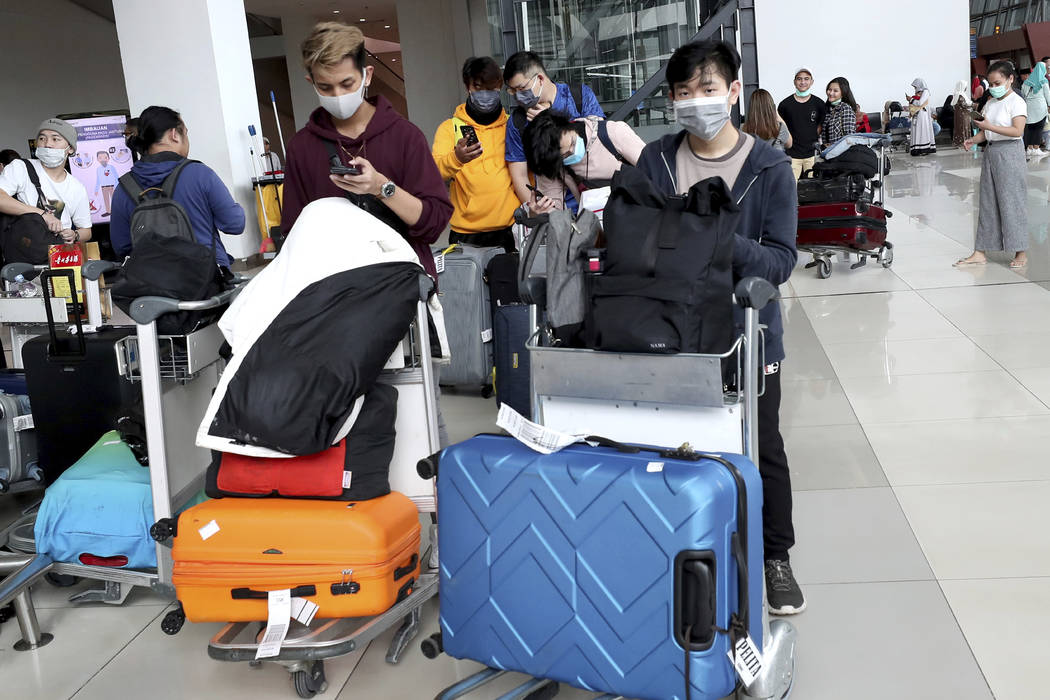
x,y
387,190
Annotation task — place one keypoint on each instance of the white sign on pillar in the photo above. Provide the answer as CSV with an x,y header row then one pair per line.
x,y
194,57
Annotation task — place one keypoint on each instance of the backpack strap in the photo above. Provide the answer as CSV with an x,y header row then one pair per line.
x,y
333,155
41,201
131,186
577,97
520,118
606,140
168,186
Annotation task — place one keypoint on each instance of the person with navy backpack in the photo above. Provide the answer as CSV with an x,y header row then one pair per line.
x,y
163,142
704,87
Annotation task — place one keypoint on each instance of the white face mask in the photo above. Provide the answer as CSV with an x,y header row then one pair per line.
x,y
703,117
51,157
343,106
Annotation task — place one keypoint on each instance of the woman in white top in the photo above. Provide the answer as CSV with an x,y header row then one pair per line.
x,y
1036,93
1002,218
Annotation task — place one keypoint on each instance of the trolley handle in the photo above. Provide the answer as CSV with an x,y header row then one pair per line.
x,y
754,293
148,309
94,269
28,271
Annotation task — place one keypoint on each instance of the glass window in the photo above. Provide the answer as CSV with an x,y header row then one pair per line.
x,y
1015,19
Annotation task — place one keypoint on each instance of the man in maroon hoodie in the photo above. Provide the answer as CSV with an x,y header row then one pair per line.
x,y
391,155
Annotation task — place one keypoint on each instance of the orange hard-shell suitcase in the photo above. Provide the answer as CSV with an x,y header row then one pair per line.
x,y
351,559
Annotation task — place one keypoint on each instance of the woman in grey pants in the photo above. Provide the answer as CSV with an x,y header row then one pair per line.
x,y
1002,218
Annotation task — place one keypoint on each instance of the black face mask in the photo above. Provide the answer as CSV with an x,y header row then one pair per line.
x,y
483,118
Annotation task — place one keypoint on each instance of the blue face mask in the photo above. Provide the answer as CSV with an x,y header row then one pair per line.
x,y
800,93
578,153
836,102
997,91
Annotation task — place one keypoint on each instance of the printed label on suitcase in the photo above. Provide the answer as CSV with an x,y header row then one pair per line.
x,y
533,435
24,422
208,530
439,263
280,614
486,335
747,660
347,478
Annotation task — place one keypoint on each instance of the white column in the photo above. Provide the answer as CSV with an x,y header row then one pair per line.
x,y
304,100
197,60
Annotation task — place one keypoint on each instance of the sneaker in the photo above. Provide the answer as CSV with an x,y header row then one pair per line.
x,y
782,591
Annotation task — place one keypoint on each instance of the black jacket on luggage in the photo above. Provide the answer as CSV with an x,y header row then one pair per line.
x,y
764,243
299,381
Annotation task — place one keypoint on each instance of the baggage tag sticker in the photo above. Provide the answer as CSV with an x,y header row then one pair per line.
x,y
486,335
24,422
439,262
279,604
208,530
533,435
747,660
347,477
304,610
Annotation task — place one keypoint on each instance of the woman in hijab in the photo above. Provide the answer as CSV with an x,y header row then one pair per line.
x,y
1036,93
961,129
921,120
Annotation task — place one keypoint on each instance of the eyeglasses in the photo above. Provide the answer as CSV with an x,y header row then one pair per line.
x,y
527,85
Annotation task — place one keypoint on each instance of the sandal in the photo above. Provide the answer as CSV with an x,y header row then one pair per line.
x,y
966,262
1018,264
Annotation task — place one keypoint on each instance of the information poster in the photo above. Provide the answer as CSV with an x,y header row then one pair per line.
x,y
101,158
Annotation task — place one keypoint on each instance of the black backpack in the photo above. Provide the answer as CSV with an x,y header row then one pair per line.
x,y
166,260
856,159
520,115
25,238
156,212
667,284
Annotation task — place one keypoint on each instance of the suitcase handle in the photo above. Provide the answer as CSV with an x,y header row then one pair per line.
x,y
684,452
54,351
250,594
695,591
407,568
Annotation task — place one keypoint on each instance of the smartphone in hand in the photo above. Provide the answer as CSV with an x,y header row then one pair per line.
x,y
469,133
345,170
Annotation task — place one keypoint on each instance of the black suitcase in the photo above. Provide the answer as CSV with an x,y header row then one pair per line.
x,y
850,187
74,389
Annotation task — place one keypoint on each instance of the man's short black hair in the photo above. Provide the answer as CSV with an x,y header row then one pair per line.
x,y
696,56
482,69
541,141
524,62
8,155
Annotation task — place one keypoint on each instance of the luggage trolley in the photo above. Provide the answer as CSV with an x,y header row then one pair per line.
x,y
304,650
823,254
655,400
177,375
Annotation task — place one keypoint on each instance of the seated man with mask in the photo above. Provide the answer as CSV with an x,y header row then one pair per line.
x,y
391,155
469,152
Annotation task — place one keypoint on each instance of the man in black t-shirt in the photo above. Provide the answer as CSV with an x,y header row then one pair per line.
x,y
803,113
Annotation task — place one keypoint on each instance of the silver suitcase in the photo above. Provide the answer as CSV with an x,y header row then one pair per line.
x,y
18,463
468,318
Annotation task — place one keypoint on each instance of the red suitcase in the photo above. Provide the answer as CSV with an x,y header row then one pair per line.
x,y
852,224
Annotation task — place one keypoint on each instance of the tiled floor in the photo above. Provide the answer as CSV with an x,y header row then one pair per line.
x,y
916,416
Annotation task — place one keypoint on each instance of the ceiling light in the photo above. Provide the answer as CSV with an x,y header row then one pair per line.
x,y
335,12
362,20
394,60
386,26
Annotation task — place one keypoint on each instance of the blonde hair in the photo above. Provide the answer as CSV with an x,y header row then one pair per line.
x,y
332,42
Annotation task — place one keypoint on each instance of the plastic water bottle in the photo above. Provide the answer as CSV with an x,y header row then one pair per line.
x,y
25,287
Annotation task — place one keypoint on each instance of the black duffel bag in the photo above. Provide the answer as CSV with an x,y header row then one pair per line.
x,y
667,284
855,159
25,238
843,187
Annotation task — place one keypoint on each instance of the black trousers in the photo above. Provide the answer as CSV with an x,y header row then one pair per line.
x,y
503,238
778,532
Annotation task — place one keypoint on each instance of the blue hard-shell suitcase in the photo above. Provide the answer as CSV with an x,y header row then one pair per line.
x,y
591,565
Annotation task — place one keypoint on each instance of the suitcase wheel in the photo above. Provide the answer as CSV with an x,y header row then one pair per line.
x,y
486,391
163,529
310,682
545,693
4,486
824,269
61,580
173,621
427,468
432,646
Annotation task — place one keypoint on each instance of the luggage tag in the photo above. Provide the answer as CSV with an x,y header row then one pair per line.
x,y
532,435
304,610
208,530
747,660
279,604
26,423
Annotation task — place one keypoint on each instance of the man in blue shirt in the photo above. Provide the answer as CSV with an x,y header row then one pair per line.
x,y
534,91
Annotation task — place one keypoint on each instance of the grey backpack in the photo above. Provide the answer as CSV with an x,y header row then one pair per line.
x,y
155,211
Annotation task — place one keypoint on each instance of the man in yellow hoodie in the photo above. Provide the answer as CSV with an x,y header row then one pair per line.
x,y
482,195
